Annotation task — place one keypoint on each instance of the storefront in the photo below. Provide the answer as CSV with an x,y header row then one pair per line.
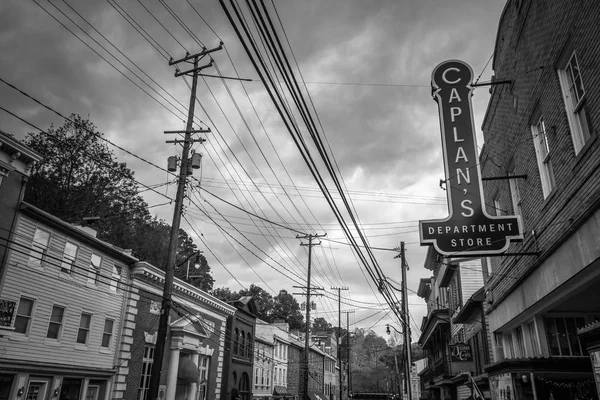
x,y
542,379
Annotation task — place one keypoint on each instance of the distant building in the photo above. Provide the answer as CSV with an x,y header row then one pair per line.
x,y
239,351
195,345
449,344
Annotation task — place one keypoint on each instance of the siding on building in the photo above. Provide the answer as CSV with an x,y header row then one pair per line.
x,y
48,287
530,46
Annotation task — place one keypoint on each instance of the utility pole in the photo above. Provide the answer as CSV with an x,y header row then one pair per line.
x,y
310,245
406,329
339,350
163,322
349,377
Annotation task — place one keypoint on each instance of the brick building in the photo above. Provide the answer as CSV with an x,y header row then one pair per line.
x,y
541,128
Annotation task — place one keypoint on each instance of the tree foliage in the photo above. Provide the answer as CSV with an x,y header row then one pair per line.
x,y
320,324
79,177
283,306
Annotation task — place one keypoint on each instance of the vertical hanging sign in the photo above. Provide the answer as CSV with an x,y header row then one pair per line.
x,y
469,230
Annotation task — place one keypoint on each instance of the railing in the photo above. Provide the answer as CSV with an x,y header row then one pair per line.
x,y
7,313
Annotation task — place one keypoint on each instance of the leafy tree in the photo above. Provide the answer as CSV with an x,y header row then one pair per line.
x,y
321,325
286,307
79,177
264,301
225,294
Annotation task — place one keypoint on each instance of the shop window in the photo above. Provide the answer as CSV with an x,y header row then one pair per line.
x,y
56,322
562,336
573,91
24,315
70,389
519,343
147,362
533,341
203,365
6,382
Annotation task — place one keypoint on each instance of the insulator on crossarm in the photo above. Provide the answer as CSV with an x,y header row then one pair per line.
x,y
172,164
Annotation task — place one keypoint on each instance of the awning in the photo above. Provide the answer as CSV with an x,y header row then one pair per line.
x,y
315,395
281,391
188,371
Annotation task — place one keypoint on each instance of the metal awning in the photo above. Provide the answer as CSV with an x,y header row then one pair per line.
x,y
281,391
315,395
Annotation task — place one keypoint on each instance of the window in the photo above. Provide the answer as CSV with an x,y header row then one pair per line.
x,y
256,376
249,346
39,247
244,386
514,193
84,328
519,342
107,332
115,281
69,257
24,315
497,207
203,363
94,273
574,93
56,322
236,341
542,153
562,336
147,362
532,338
243,344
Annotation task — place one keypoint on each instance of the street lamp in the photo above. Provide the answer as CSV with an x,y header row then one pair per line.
x,y
387,330
197,265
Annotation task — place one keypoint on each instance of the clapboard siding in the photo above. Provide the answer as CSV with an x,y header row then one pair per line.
x,y
48,286
471,278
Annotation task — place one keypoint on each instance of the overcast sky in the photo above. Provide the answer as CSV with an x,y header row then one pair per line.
x,y
367,66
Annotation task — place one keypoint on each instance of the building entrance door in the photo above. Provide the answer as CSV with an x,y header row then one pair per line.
x,y
36,390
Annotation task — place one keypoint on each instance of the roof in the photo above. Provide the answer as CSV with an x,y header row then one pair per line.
x,y
76,233
10,144
473,304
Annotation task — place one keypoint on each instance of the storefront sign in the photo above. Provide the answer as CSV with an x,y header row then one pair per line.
x,y
461,352
469,230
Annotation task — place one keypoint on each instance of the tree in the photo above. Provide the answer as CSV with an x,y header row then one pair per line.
x,y
264,301
321,325
225,294
79,177
286,307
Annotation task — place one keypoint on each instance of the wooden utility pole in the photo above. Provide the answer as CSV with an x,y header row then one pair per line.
x,y
163,322
339,350
348,377
406,329
310,245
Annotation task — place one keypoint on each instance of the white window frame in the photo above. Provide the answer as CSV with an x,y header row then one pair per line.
x,y
542,154
107,333
83,328
39,248
115,281
69,257
29,317
515,194
59,323
574,100
147,361
94,272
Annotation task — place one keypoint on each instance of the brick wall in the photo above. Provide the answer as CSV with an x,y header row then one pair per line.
x,y
530,43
